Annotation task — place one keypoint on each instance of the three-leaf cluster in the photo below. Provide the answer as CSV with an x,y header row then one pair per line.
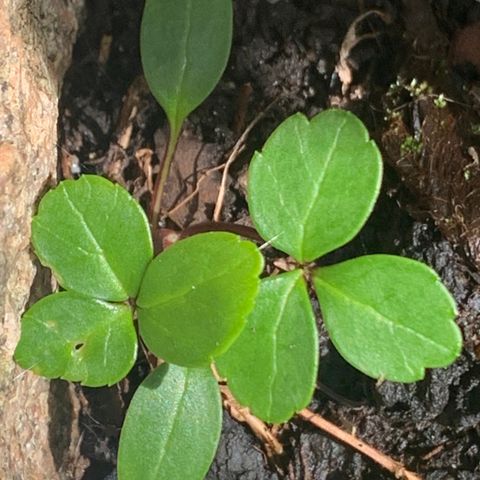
x,y
311,190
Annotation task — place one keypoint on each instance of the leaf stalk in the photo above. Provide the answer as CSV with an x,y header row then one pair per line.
x,y
162,177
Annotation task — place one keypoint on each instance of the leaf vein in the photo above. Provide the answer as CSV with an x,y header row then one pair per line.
x,y
225,273
93,240
64,240
309,177
105,345
185,44
281,200
283,305
391,324
171,427
318,185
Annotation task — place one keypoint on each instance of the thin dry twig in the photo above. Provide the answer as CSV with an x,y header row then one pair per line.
x,y
259,428
197,188
237,149
243,415
380,458
433,452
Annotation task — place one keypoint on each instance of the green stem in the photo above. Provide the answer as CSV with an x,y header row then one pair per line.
x,y
162,177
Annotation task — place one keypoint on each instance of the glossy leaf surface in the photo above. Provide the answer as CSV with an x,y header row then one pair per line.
x,y
314,184
94,236
272,367
78,339
172,426
185,46
196,295
388,316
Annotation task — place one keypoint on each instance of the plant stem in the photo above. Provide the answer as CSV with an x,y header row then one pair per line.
x,y
385,461
243,415
162,177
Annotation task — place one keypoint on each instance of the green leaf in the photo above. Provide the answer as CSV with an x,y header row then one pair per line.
x,y
272,367
314,184
94,236
388,316
196,295
77,338
172,426
185,46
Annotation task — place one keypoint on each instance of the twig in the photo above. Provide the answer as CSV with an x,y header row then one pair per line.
x,y
197,188
242,414
433,452
237,149
385,461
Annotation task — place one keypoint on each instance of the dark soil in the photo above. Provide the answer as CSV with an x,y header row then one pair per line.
x,y
289,50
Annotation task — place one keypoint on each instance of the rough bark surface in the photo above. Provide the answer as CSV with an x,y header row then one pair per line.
x,y
36,39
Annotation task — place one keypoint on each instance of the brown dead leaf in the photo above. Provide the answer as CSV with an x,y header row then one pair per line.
x,y
192,158
144,159
346,67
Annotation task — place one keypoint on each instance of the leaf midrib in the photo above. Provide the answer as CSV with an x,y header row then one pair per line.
x,y
274,347
318,185
380,316
181,80
172,413
188,290
100,250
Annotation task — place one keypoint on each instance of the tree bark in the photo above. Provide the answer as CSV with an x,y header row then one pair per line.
x,y
36,39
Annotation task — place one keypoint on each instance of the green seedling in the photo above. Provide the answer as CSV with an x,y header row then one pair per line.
x,y
411,146
310,191
185,45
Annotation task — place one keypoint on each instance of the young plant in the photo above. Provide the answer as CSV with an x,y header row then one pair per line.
x,y
185,45
310,191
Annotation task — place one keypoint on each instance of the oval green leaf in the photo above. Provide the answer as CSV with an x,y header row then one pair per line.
x,y
314,184
390,317
76,338
272,367
196,295
94,236
172,427
185,46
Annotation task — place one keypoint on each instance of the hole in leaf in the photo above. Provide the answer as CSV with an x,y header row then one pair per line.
x,y
78,346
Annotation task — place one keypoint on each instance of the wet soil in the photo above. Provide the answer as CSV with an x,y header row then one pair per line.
x,y
290,50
